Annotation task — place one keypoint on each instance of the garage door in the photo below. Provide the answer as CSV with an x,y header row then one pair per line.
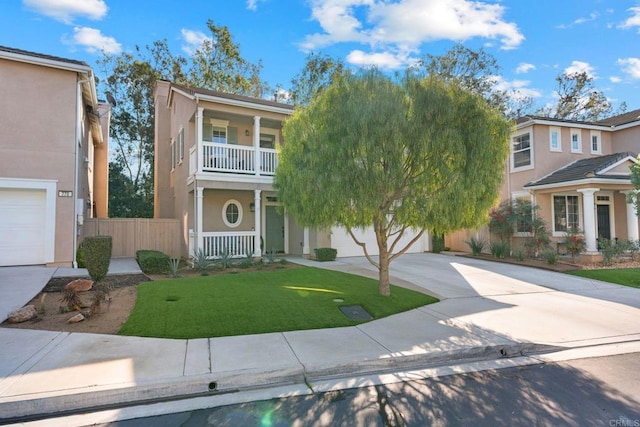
x,y
342,241
22,226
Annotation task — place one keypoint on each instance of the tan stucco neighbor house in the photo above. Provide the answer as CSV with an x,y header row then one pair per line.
x,y
53,157
215,158
577,173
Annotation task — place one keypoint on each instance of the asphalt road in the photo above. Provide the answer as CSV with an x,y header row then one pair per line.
x,y
585,392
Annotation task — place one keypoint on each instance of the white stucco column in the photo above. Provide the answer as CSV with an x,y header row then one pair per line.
x,y
199,155
257,222
199,244
256,143
588,210
305,242
632,218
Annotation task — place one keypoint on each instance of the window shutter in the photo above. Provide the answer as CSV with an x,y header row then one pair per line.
x,y
232,135
207,132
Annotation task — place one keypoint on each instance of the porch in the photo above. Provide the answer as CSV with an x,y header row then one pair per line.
x,y
232,159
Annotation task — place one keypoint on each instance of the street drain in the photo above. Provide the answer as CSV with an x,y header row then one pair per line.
x,y
355,312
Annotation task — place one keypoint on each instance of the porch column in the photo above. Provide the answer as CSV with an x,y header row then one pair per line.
x,y
305,241
199,153
588,209
256,144
199,244
632,217
257,223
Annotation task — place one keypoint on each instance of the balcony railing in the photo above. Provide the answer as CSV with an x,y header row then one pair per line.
x,y
235,243
238,159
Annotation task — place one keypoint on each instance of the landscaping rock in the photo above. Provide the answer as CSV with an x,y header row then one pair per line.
x,y
23,314
79,285
75,319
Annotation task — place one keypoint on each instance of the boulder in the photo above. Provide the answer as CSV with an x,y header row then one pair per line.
x,y
23,314
79,285
75,319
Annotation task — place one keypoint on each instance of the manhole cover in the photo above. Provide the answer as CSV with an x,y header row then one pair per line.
x,y
355,312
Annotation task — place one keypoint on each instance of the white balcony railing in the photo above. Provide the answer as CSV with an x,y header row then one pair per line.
x,y
240,159
235,243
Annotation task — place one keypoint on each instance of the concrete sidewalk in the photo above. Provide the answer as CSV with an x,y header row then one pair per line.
x,y
488,312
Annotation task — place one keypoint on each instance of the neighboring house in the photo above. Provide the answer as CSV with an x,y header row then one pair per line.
x,y
53,157
215,158
577,173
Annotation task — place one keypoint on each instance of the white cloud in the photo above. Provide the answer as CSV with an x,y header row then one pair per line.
x,y
94,41
630,66
66,10
253,4
385,60
580,67
615,79
193,40
592,17
634,20
518,89
403,25
525,67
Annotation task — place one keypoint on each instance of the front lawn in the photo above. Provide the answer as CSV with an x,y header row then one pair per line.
x,y
260,302
622,276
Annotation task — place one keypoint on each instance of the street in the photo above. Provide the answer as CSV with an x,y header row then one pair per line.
x,y
601,391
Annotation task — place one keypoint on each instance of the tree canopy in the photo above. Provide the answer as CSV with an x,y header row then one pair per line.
x,y
415,153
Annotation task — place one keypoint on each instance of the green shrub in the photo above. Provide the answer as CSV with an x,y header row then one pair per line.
x,y
97,256
437,243
519,255
153,262
499,249
476,245
551,256
326,254
201,262
80,256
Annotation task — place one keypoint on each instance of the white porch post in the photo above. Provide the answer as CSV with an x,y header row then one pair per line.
x,y
305,242
257,223
256,144
588,209
199,150
199,244
632,218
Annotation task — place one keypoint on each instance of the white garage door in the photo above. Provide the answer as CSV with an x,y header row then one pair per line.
x,y
342,241
22,226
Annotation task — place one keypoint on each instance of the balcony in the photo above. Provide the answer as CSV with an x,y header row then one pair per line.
x,y
233,160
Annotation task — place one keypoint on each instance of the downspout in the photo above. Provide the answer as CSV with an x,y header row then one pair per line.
x,y
76,168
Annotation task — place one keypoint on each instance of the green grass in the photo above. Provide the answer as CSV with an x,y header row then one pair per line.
x,y
260,302
622,276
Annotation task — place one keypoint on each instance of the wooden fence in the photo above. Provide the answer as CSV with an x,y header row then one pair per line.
x,y
132,234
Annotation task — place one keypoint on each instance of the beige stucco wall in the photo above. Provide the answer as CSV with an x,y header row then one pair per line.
x,y
38,133
627,140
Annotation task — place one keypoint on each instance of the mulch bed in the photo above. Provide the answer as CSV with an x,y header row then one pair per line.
x,y
114,281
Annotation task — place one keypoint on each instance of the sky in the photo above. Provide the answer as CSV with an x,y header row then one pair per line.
x,y
533,41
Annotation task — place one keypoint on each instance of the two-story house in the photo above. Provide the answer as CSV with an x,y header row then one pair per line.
x,y
215,158
53,157
577,173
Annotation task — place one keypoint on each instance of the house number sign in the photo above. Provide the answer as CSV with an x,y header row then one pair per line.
x,y
65,193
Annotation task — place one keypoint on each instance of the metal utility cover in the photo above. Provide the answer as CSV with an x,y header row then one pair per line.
x,y
355,312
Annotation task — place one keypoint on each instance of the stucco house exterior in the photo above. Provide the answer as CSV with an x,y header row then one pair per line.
x,y
577,173
215,158
53,157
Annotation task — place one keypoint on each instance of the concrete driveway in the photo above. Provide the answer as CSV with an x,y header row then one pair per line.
x,y
522,304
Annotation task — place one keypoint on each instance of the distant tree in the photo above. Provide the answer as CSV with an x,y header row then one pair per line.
x,y
578,99
125,201
319,71
218,65
371,151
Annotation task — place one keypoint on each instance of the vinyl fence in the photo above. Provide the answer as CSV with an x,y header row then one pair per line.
x,y
132,234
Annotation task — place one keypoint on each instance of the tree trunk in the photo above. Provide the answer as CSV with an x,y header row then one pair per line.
x,y
384,288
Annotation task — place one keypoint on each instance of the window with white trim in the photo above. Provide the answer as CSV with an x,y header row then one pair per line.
x,y
180,146
555,140
521,154
232,213
576,142
566,213
596,146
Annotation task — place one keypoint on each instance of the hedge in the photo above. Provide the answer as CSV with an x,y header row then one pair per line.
x,y
152,262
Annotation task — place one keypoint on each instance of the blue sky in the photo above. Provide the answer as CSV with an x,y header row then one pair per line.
x,y
532,41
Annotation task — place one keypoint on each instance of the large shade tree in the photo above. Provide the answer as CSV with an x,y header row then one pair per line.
x,y
395,155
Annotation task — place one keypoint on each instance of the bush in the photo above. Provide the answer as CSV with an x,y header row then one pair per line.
x,y
476,245
499,249
437,243
575,242
80,256
326,254
153,262
97,256
200,262
551,256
